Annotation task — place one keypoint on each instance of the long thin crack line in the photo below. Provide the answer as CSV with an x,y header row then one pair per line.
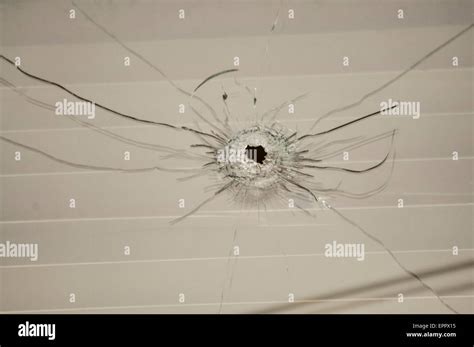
x,y
217,214
84,172
411,273
394,79
248,257
108,127
230,264
276,302
147,62
90,126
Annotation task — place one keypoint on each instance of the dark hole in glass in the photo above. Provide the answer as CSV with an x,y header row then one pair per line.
x,y
256,153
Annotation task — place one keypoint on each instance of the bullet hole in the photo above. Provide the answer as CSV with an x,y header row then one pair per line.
x,y
256,153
